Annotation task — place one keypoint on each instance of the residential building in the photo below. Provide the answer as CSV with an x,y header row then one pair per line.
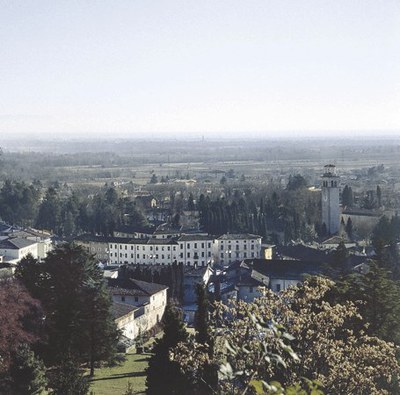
x,y
14,249
235,247
195,250
149,299
142,251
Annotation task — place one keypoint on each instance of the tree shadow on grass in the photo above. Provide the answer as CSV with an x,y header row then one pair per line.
x,y
120,376
146,359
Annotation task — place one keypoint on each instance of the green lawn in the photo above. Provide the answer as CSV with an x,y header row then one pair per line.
x,y
114,381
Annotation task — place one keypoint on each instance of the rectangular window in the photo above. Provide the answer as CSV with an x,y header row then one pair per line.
x,y
122,298
188,245
195,245
188,254
202,245
245,255
136,299
209,245
278,287
222,254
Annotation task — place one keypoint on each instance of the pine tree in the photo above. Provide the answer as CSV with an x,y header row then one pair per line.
x,y
76,304
27,373
164,376
69,379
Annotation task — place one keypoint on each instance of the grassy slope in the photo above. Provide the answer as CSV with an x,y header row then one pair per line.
x,y
114,381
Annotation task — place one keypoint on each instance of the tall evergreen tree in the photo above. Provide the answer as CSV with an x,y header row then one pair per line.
x,y
27,373
78,321
201,316
164,376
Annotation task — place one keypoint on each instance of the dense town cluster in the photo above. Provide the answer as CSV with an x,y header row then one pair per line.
x,y
175,251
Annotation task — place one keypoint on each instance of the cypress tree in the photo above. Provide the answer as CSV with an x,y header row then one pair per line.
x,y
164,376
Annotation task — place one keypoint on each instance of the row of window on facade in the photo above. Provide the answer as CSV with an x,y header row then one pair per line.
x,y
229,247
156,256
202,263
237,255
195,245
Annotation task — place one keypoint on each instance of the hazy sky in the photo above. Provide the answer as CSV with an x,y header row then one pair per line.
x,y
196,67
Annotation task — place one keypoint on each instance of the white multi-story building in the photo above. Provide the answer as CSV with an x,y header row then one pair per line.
x,y
196,250
143,252
14,249
149,299
234,247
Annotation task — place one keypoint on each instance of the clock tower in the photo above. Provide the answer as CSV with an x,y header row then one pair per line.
x,y
330,199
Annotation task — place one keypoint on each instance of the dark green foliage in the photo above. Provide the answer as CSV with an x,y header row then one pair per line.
x,y
380,300
296,182
153,179
340,256
369,201
379,195
76,303
190,204
386,231
50,212
68,379
27,373
18,203
65,212
201,317
349,228
164,376
347,196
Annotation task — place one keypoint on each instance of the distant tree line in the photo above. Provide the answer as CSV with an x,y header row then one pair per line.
x,y
293,212
65,212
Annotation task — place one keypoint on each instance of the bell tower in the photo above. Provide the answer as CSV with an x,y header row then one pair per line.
x,y
330,199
